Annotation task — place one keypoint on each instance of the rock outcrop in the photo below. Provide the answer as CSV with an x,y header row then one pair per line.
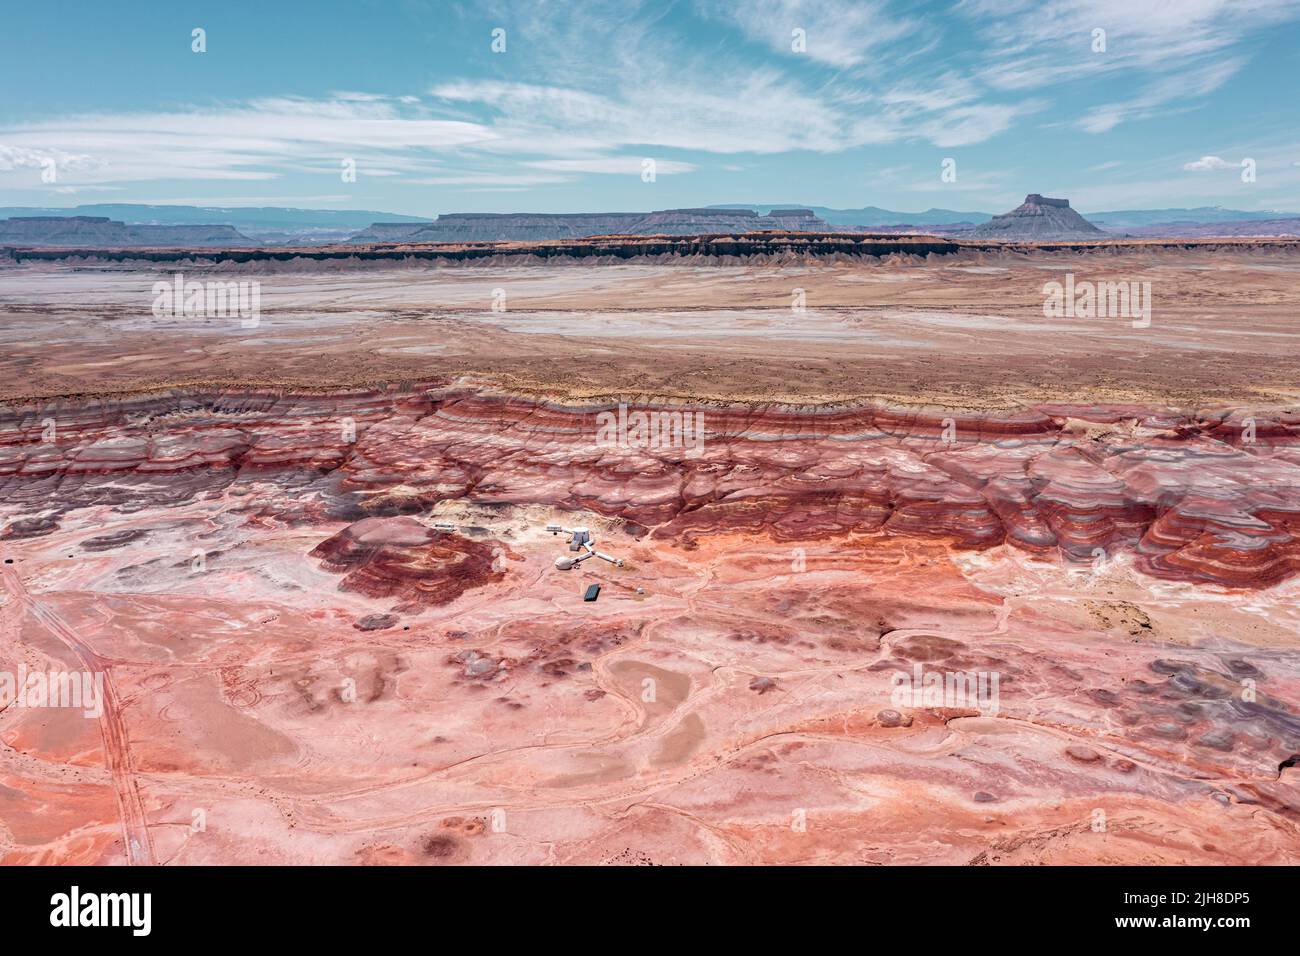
x,y
1037,219
403,558
102,232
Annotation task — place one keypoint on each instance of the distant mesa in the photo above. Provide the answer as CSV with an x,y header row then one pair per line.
x,y
132,225
387,232
1037,219
45,231
265,225
542,227
100,231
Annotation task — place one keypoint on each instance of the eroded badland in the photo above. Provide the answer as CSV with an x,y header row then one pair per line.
x,y
943,580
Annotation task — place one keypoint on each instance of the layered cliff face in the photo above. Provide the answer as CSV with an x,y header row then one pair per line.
x,y
1037,219
764,246
100,231
539,227
1209,498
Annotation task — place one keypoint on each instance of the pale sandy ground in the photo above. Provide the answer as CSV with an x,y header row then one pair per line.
x,y
960,331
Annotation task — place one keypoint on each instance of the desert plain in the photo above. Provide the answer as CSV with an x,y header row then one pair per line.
x,y
940,579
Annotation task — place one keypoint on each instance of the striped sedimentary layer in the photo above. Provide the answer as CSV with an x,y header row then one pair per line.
x,y
403,558
1210,496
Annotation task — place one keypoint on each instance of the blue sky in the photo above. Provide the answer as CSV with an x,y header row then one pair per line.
x,y
112,97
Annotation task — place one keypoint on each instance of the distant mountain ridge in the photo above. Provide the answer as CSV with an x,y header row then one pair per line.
x,y
1261,228
134,213
102,232
278,225
1127,218
538,227
874,216
265,223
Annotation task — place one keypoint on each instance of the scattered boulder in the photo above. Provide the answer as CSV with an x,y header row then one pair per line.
x,y
762,685
376,622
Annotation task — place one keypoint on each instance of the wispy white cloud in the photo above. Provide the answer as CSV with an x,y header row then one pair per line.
x,y
841,33
597,87
1166,51
231,201
1208,163
77,190
1208,181
259,140
512,179
646,84
614,165
1154,99
23,157
761,114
